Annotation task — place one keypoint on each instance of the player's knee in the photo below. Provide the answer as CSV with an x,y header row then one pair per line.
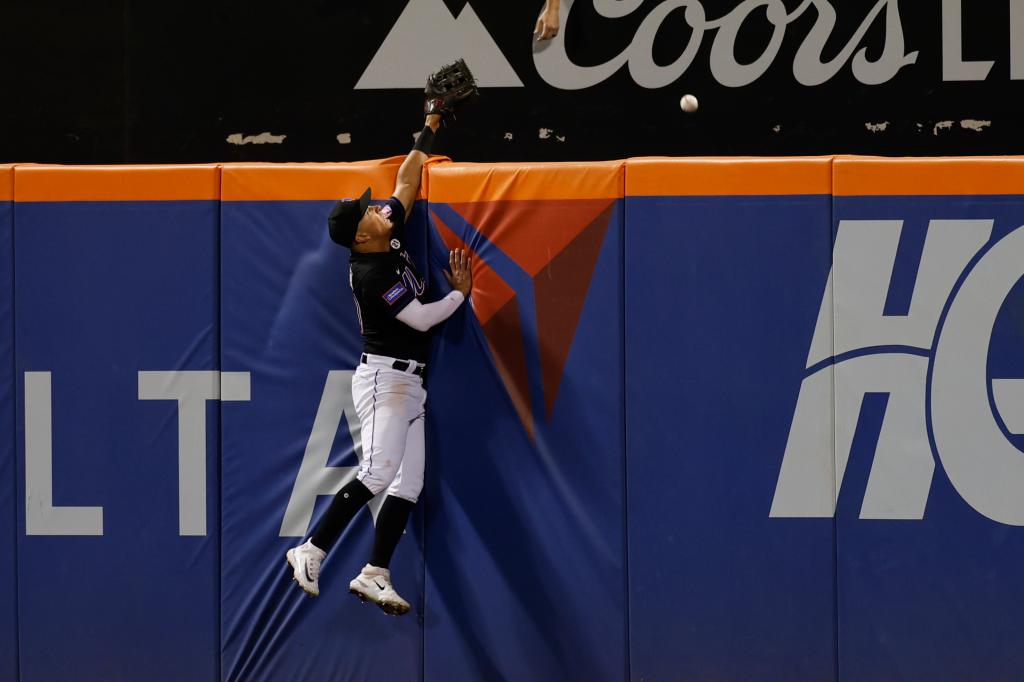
x,y
413,499
379,476
408,494
373,484
409,488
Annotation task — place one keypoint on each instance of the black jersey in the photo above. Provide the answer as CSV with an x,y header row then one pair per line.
x,y
383,284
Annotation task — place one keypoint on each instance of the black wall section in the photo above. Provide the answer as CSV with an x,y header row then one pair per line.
x,y
131,82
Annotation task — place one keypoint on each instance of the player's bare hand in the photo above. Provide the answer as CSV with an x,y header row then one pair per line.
x,y
547,22
460,272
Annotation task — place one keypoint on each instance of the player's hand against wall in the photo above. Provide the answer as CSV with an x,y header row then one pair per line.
x,y
460,272
547,22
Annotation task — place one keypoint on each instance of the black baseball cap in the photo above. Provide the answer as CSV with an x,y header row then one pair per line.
x,y
344,219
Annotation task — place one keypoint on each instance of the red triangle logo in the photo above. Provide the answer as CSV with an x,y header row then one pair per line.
x,y
490,293
532,233
560,290
495,305
558,243
505,337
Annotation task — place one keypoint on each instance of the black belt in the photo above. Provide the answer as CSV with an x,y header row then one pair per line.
x,y
402,366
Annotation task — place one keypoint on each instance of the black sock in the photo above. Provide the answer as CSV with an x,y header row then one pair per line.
x,y
391,520
344,506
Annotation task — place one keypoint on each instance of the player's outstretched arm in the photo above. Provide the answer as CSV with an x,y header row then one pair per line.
x,y
447,88
407,184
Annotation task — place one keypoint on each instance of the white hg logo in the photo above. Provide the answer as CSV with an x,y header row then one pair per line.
x,y
933,364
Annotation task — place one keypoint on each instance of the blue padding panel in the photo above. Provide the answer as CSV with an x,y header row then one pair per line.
x,y
8,567
722,296
933,598
288,318
525,559
104,290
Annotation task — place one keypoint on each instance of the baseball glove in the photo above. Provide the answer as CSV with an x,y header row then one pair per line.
x,y
447,88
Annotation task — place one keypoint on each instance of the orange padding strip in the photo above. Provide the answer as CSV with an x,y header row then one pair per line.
x,y
739,176
116,183
310,181
6,182
471,182
466,182
863,176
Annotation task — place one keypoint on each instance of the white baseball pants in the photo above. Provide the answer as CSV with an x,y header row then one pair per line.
x,y
390,404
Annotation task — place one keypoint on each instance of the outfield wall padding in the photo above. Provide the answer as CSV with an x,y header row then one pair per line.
x,y
702,419
288,319
8,534
724,271
115,274
526,506
919,359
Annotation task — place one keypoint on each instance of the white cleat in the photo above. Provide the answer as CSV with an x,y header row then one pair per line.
x,y
374,584
305,562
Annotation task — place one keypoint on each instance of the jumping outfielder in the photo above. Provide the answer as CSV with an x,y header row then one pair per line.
x,y
387,387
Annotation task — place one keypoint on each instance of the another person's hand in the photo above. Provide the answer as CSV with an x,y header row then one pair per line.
x,y
460,274
547,22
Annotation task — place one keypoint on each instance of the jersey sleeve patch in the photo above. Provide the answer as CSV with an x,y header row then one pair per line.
x,y
394,293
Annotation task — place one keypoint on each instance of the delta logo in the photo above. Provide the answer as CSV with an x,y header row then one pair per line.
x,y
533,262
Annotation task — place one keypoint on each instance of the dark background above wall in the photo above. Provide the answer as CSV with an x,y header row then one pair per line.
x,y
134,82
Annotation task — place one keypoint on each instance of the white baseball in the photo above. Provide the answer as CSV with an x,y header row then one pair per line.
x,y
689,104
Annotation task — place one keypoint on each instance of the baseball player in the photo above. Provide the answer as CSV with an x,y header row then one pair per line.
x,y
387,387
